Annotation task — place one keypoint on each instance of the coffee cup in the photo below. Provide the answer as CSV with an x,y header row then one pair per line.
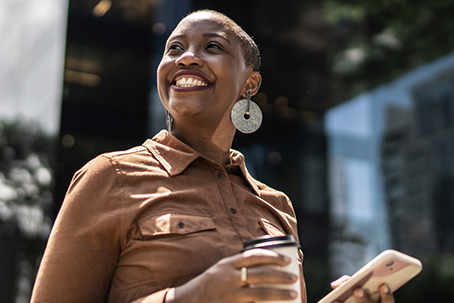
x,y
283,245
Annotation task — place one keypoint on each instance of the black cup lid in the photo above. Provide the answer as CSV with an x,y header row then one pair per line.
x,y
268,241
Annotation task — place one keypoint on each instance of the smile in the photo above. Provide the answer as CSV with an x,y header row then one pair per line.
x,y
189,81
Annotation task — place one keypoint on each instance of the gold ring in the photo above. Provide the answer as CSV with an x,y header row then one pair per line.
x,y
243,274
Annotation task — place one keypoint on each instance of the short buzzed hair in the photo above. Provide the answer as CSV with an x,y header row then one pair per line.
x,y
250,50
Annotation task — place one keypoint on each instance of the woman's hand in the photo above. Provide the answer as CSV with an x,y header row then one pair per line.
x,y
222,282
361,296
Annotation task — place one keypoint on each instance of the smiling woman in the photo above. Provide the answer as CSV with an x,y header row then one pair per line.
x,y
167,221
207,66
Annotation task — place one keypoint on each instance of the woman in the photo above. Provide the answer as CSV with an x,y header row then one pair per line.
x,y
165,222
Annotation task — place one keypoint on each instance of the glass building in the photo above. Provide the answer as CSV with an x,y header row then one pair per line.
x,y
384,148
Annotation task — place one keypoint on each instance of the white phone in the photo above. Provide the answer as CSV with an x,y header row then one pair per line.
x,y
391,267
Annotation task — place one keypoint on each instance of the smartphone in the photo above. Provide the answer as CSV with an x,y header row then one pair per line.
x,y
391,267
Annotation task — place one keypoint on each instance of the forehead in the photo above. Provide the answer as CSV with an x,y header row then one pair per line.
x,y
203,23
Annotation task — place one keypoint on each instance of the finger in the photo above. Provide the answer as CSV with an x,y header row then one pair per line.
x,y
385,294
254,294
339,281
361,296
260,275
258,257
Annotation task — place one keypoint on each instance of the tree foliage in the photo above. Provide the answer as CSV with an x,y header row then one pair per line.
x,y
25,179
26,200
377,41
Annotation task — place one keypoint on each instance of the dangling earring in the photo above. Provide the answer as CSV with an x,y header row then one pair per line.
x,y
169,120
246,115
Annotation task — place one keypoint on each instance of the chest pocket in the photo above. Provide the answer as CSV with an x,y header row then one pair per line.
x,y
176,247
174,224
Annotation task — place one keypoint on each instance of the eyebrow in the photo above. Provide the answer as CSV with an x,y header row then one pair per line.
x,y
212,34
223,36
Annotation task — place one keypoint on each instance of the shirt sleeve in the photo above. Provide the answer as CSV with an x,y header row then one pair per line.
x,y
83,249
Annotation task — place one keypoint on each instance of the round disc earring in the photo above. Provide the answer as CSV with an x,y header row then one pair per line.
x,y
246,115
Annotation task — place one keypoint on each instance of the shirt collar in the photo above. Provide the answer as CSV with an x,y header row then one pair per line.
x,y
237,158
175,156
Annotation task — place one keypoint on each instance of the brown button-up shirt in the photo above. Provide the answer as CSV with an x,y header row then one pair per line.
x,y
135,223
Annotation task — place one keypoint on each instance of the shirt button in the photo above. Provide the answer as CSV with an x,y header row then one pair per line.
x,y
220,175
233,210
180,224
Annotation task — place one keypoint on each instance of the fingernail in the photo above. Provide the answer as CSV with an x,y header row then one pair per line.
x,y
293,294
385,289
359,292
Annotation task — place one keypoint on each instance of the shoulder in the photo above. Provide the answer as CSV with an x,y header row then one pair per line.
x,y
107,161
275,197
134,159
266,191
135,154
105,180
108,167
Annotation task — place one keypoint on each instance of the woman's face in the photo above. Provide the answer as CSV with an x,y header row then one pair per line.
x,y
202,72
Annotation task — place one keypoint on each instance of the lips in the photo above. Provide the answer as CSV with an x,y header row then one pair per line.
x,y
190,79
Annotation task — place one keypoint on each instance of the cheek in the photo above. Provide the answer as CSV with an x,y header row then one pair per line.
x,y
231,72
164,67
237,76
161,77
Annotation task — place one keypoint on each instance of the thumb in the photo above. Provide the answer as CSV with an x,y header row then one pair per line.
x,y
339,281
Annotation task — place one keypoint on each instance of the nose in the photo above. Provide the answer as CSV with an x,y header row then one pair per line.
x,y
188,59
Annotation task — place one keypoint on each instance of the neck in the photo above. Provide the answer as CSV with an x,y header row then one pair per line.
x,y
213,145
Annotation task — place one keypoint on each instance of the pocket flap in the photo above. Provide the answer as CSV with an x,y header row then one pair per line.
x,y
177,224
270,228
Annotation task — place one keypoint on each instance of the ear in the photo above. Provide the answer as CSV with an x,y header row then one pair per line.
x,y
253,83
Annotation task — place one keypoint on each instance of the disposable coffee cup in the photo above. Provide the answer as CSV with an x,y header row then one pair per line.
x,y
283,245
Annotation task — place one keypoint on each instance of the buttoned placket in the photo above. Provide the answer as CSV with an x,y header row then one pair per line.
x,y
230,203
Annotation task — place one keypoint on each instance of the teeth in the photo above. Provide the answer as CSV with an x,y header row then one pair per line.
x,y
189,82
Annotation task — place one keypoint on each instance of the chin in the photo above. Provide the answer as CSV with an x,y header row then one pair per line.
x,y
185,108
187,112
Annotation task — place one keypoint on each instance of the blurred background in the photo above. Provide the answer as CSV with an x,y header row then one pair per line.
x,y
358,103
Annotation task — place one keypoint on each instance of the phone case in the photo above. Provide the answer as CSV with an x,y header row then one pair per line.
x,y
391,267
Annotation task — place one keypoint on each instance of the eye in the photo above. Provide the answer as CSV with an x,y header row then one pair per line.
x,y
175,46
214,45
